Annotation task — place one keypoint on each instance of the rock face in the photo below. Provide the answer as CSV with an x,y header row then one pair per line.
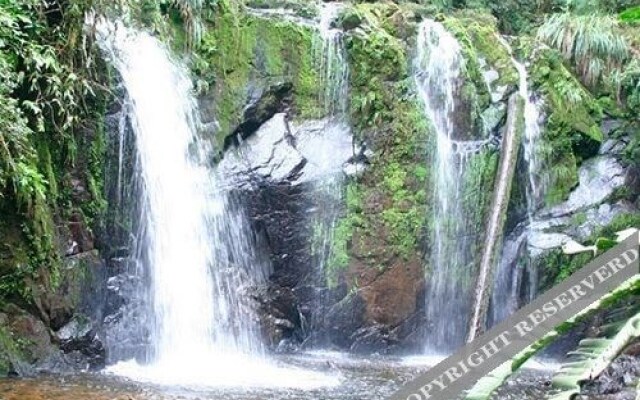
x,y
281,152
276,175
81,341
79,290
264,103
383,314
600,177
47,340
26,341
266,156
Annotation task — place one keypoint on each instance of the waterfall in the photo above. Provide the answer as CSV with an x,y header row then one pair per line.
x,y
182,217
194,243
331,62
331,59
532,131
514,273
438,68
495,223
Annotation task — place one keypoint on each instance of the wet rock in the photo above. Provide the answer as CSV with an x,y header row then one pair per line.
x,y
613,147
610,125
543,241
384,314
411,332
80,336
392,296
287,346
326,144
344,318
491,76
598,217
598,177
27,340
79,287
370,340
493,116
279,315
263,105
283,153
81,238
267,156
621,374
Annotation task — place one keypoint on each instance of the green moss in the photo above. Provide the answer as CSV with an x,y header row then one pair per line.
x,y
240,51
631,16
572,131
474,91
378,60
478,182
557,266
9,351
13,246
386,208
478,34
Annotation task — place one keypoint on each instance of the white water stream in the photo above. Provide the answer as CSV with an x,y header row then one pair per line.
x,y
512,266
196,245
438,67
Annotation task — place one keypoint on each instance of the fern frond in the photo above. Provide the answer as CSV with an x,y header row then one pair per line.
x,y
593,43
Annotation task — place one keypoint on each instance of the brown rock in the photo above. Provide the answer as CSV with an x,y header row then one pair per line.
x,y
392,296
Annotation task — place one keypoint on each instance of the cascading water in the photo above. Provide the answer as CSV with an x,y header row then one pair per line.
x,y
513,267
437,73
533,125
331,64
332,61
194,243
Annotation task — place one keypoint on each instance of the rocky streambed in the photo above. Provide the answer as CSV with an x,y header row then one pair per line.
x,y
358,378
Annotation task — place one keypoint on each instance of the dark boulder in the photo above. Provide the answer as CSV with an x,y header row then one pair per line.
x,y
81,337
263,105
78,288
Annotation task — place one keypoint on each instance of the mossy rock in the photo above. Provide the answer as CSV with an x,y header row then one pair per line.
x,y
555,266
24,341
483,52
572,131
301,8
13,246
480,31
242,52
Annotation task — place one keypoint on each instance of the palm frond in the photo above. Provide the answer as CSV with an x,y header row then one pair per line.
x,y
592,356
593,43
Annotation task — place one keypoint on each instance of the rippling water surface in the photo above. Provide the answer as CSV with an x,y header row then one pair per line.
x,y
359,378
371,378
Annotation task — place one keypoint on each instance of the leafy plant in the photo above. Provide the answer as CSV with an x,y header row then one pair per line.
x,y
631,16
592,43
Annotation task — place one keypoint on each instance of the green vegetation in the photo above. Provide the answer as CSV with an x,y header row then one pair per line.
x,y
339,255
9,351
617,332
590,42
477,34
630,16
55,89
572,131
239,51
557,266
51,80
385,215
